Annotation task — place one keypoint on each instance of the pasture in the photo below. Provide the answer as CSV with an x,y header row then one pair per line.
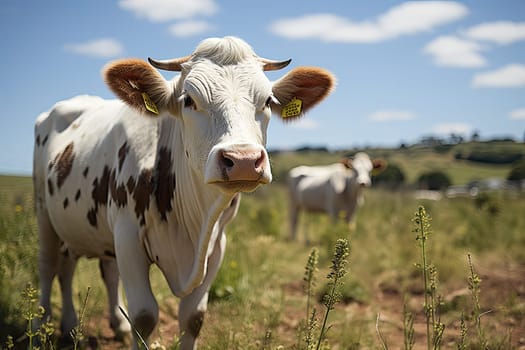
x,y
258,302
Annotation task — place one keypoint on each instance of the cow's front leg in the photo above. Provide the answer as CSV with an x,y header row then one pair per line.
x,y
110,274
193,306
133,264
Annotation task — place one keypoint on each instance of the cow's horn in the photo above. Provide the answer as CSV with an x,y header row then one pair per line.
x,y
174,65
274,65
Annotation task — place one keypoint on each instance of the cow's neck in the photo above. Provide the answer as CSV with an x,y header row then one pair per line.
x,y
188,226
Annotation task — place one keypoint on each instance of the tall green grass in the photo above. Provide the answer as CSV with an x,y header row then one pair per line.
x,y
18,250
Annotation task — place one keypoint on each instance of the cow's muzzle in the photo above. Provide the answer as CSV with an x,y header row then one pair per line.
x,y
239,168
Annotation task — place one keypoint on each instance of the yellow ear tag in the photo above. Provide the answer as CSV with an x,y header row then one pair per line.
x,y
150,105
292,109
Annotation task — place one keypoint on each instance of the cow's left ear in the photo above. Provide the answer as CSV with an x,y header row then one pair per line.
x,y
378,166
301,89
347,162
138,84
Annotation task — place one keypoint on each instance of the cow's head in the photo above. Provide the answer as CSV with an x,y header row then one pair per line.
x,y
224,101
364,167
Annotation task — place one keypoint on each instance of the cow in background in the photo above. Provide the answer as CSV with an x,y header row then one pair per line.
x,y
331,189
154,177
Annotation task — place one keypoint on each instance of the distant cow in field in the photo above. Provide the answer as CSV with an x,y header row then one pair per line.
x,y
153,178
331,189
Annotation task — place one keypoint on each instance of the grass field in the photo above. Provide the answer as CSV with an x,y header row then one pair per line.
x,y
257,301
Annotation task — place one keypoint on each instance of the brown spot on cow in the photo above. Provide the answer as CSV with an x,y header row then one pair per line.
x,y
165,182
130,185
92,216
66,203
77,195
85,172
100,188
122,153
99,195
53,162
118,193
38,140
142,193
50,187
64,164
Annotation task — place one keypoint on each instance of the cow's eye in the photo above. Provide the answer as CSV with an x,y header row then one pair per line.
x,y
188,102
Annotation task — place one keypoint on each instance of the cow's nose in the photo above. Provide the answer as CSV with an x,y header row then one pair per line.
x,y
243,164
364,183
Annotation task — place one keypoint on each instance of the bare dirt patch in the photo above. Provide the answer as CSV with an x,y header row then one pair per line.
x,y
502,299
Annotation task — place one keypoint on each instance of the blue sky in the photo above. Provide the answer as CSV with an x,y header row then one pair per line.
x,y
404,70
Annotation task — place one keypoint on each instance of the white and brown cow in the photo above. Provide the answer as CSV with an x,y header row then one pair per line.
x,y
154,177
334,189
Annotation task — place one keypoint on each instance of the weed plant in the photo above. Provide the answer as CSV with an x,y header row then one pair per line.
x,y
408,327
474,282
335,278
435,327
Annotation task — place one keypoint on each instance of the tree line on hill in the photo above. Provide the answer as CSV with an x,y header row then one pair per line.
x,y
394,178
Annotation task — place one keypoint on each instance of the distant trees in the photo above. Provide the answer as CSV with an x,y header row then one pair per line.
x,y
312,149
517,172
457,139
475,136
491,156
433,180
392,177
433,141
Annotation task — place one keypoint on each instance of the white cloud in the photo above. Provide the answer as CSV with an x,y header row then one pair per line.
x,y
190,28
165,10
456,52
452,128
101,48
404,19
413,17
391,115
512,75
304,123
518,114
503,32
326,27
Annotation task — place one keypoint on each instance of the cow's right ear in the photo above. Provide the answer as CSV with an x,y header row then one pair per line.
x,y
138,84
379,165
